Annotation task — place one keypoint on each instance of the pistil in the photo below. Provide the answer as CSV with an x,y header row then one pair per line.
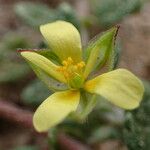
x,y
72,72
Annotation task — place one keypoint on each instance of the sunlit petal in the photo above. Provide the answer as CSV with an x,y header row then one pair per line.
x,y
54,109
63,38
120,87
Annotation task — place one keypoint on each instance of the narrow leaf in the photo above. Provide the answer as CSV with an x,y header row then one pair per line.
x,y
101,51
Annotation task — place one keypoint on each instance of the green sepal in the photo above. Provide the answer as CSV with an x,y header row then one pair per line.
x,y
76,82
101,51
116,56
87,104
49,54
91,101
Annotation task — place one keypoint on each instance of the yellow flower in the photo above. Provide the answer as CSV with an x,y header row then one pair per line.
x,y
120,86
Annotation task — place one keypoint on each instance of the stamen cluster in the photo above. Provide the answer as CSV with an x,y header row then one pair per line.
x,y
70,69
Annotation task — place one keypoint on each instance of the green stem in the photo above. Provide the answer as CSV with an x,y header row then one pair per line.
x,y
84,99
52,139
89,107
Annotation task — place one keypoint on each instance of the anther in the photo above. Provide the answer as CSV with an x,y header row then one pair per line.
x,y
69,69
75,67
64,68
66,74
59,69
65,63
70,61
81,64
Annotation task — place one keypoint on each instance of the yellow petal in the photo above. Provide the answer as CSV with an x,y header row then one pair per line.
x,y
44,64
63,38
54,109
120,87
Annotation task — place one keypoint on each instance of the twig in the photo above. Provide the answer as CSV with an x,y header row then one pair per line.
x,y
24,118
15,114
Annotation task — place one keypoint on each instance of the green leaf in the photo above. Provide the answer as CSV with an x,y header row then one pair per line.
x,y
9,44
101,51
50,55
108,12
46,53
136,128
35,93
12,41
35,14
12,71
12,68
67,13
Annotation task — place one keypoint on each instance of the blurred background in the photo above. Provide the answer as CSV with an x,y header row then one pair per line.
x,y
107,127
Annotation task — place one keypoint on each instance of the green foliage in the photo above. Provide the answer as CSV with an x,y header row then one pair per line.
x,y
67,13
9,45
117,53
49,54
108,12
12,68
12,71
34,93
104,133
137,131
37,14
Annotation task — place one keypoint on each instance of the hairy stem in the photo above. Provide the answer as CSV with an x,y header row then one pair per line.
x,y
89,107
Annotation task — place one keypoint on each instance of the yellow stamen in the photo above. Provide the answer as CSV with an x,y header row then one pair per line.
x,y
64,68
70,61
81,65
66,74
59,69
75,68
65,63
69,69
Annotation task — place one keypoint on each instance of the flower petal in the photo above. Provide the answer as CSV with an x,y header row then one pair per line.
x,y
64,39
120,87
54,109
44,64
